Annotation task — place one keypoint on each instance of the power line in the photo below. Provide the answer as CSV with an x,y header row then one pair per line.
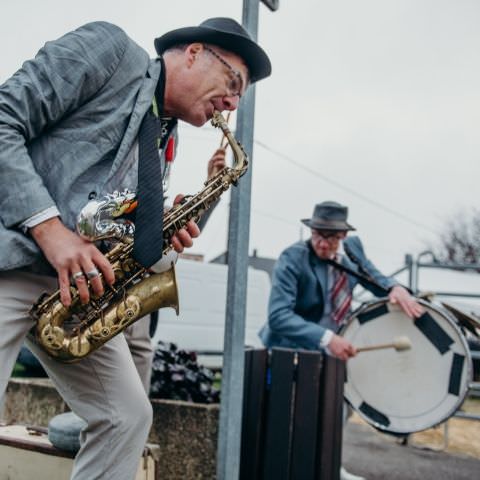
x,y
345,188
337,184
274,217
263,214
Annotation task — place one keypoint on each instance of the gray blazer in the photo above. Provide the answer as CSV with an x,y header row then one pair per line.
x,y
299,286
68,118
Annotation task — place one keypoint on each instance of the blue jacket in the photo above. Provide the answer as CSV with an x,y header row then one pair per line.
x,y
299,286
68,118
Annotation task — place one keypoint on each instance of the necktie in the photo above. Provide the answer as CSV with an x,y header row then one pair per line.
x,y
341,296
148,237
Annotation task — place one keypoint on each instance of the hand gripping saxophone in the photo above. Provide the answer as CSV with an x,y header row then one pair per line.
x,y
71,333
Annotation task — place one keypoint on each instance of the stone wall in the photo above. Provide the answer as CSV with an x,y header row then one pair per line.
x,y
186,433
32,402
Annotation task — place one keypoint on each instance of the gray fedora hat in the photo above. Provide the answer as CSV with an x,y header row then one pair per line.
x,y
226,33
329,216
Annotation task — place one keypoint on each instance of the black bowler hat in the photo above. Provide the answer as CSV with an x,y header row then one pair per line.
x,y
329,216
225,33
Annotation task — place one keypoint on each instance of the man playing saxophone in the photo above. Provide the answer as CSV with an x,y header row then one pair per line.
x,y
71,123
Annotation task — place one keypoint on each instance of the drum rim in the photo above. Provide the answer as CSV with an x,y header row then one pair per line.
x,y
454,324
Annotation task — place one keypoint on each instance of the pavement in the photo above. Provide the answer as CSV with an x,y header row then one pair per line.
x,y
377,456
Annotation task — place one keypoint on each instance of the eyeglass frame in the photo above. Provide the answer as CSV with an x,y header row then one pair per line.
x,y
232,70
329,236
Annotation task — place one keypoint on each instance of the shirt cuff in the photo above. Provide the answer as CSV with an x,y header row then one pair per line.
x,y
326,338
39,217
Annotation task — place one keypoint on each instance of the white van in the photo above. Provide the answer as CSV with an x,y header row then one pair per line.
x,y
202,290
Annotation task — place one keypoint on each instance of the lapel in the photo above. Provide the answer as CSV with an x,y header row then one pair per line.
x,y
144,100
352,281
319,269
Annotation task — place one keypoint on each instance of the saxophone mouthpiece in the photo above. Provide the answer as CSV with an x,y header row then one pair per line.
x,y
219,121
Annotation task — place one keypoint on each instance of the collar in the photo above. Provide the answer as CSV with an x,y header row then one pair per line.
x,y
159,97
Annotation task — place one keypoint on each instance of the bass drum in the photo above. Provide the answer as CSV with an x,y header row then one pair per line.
x,y
401,392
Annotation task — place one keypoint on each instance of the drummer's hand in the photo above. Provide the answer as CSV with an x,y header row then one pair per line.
x,y
341,348
70,254
184,237
216,163
401,296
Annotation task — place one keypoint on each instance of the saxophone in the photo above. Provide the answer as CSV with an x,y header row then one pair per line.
x,y
71,333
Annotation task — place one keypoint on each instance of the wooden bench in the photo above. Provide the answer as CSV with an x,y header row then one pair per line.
x,y
292,416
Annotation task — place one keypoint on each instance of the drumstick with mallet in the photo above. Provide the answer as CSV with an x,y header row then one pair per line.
x,y
399,344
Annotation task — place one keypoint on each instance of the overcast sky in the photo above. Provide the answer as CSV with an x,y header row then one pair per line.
x,y
373,103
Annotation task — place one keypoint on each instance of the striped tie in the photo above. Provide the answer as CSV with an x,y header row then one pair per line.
x,y
341,296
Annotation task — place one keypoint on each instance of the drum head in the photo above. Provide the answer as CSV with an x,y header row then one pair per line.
x,y
412,390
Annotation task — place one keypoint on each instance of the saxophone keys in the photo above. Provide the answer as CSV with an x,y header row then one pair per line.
x,y
128,265
101,332
52,337
79,347
128,310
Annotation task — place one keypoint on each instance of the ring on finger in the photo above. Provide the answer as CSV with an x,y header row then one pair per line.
x,y
92,273
77,275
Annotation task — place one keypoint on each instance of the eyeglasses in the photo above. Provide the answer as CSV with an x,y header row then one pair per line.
x,y
330,237
236,81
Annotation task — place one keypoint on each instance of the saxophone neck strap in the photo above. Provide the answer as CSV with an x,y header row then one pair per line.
x,y
361,275
365,279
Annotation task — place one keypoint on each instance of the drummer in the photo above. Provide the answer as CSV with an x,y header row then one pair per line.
x,y
311,298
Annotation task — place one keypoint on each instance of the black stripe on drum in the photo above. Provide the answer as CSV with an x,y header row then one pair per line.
x,y
372,314
375,415
456,374
434,332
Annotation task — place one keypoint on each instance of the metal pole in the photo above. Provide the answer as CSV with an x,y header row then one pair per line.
x,y
414,276
230,422
409,264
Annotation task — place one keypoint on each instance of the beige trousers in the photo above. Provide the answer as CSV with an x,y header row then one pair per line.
x,y
104,388
140,346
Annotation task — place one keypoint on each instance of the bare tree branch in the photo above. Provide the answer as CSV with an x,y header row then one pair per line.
x,y
460,240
